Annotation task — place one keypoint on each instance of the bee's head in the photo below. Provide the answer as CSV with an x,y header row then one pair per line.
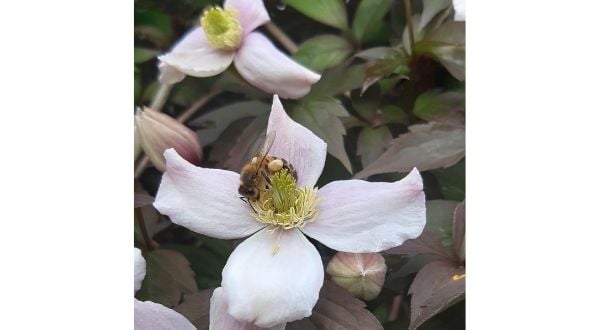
x,y
248,191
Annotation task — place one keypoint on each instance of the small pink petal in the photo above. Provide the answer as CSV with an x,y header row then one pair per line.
x,y
149,315
139,269
252,13
265,67
169,75
194,56
268,288
360,216
204,200
296,144
220,319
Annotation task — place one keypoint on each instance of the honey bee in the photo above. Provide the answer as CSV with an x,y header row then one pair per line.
x,y
256,175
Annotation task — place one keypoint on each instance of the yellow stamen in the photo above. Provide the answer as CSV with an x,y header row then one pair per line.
x,y
222,28
284,205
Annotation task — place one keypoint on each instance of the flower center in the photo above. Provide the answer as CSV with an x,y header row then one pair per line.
x,y
222,28
285,205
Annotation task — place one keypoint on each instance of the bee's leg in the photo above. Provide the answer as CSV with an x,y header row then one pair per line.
x,y
267,178
247,201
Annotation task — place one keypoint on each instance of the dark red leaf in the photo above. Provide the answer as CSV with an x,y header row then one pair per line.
x,y
436,287
196,308
458,231
337,309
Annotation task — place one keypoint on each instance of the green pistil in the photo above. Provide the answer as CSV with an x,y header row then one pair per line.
x,y
222,28
285,205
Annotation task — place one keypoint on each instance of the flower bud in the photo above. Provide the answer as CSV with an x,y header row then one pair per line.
x,y
362,274
158,132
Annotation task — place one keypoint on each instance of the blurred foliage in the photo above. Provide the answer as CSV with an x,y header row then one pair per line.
x,y
382,105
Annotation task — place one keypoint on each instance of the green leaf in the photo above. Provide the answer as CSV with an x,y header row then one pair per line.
x,y
212,124
366,104
397,64
426,147
137,84
141,55
452,181
430,9
447,45
338,80
368,19
393,114
330,12
372,143
322,116
323,52
154,26
168,277
447,108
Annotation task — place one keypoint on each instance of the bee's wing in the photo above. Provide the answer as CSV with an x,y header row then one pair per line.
x,y
264,149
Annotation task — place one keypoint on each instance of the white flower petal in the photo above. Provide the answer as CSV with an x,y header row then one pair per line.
x,y
268,288
139,269
194,56
252,13
149,315
265,67
204,200
459,10
360,216
220,319
296,144
169,75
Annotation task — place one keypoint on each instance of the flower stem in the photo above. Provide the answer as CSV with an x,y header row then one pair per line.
x,y
409,22
139,217
283,38
161,96
395,308
199,103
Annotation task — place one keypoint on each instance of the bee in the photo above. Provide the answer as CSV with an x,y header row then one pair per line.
x,y
256,175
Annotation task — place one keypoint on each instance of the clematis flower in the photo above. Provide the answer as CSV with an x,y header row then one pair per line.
x,y
275,275
150,315
226,35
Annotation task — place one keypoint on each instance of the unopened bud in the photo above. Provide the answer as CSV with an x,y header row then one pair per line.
x,y
362,274
159,132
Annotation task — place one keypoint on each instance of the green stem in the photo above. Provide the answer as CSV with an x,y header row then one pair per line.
x,y
409,22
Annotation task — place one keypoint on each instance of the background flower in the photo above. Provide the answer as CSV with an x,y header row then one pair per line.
x,y
202,53
150,315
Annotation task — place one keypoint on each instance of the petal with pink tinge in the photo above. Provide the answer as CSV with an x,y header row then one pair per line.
x,y
267,68
296,144
204,200
360,216
273,277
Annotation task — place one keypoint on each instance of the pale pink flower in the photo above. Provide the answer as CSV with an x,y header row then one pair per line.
x,y
150,315
275,275
226,35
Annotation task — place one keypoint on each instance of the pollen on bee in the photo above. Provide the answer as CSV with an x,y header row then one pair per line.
x,y
275,165
254,161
